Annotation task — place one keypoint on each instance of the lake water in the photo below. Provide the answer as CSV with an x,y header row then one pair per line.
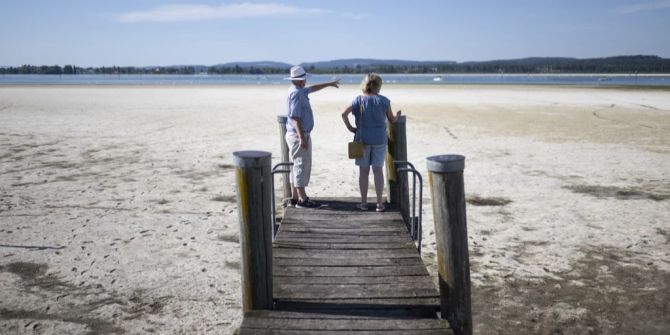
x,y
436,79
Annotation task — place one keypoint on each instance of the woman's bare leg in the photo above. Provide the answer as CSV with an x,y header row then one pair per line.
x,y
378,171
363,183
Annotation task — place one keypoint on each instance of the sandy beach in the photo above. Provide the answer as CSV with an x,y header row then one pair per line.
x,y
118,211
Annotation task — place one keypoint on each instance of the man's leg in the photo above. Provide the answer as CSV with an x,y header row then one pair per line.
x,y
295,195
293,147
302,179
305,170
302,195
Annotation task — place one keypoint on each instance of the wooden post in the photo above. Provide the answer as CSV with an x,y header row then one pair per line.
x,y
254,204
451,235
397,151
286,180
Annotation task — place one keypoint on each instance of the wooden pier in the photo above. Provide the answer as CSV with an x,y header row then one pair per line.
x,y
339,270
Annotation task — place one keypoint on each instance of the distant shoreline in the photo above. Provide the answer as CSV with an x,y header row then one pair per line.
x,y
532,79
537,65
268,86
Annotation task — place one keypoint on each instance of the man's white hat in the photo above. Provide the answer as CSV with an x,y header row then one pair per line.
x,y
298,73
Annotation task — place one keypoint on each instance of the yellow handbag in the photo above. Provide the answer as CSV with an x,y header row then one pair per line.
x,y
355,150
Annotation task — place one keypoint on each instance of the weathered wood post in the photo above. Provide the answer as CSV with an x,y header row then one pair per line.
x,y
397,151
451,235
281,119
254,188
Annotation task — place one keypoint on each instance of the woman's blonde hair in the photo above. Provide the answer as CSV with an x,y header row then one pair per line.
x,y
372,83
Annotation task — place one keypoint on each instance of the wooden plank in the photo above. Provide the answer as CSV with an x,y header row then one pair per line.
x,y
351,209
331,229
339,314
353,261
297,217
251,322
328,227
391,287
343,271
327,231
342,254
354,291
341,233
389,218
349,304
358,224
246,331
349,246
337,215
357,296
351,234
349,280
325,224
343,239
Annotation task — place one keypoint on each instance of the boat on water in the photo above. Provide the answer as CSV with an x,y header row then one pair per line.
x,y
437,78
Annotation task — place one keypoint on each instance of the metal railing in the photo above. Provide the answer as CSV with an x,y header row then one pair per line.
x,y
414,226
275,169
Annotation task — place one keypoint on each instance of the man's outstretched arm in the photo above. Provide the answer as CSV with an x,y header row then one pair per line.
x,y
318,87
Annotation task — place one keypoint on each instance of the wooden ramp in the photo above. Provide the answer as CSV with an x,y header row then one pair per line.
x,y
340,270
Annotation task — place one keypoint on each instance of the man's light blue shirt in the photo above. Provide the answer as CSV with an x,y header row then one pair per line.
x,y
298,106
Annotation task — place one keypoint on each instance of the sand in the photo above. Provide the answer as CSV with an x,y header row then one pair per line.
x,y
118,213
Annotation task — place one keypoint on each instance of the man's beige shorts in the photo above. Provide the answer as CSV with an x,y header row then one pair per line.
x,y
301,158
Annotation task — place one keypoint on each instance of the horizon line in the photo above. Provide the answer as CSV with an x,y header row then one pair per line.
x,y
348,59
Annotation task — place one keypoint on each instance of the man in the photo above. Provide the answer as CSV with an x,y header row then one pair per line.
x,y
299,125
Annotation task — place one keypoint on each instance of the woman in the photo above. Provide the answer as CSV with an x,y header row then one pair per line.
x,y
371,110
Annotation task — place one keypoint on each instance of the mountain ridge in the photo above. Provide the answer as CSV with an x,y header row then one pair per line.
x,y
353,62
614,64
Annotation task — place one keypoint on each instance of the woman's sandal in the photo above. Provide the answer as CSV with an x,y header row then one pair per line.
x,y
380,208
363,207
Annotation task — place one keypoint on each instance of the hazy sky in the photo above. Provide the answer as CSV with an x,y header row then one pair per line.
x,y
149,32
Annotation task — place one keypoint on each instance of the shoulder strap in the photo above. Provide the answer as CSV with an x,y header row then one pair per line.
x,y
361,109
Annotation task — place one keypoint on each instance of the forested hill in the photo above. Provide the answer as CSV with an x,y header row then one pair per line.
x,y
620,64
